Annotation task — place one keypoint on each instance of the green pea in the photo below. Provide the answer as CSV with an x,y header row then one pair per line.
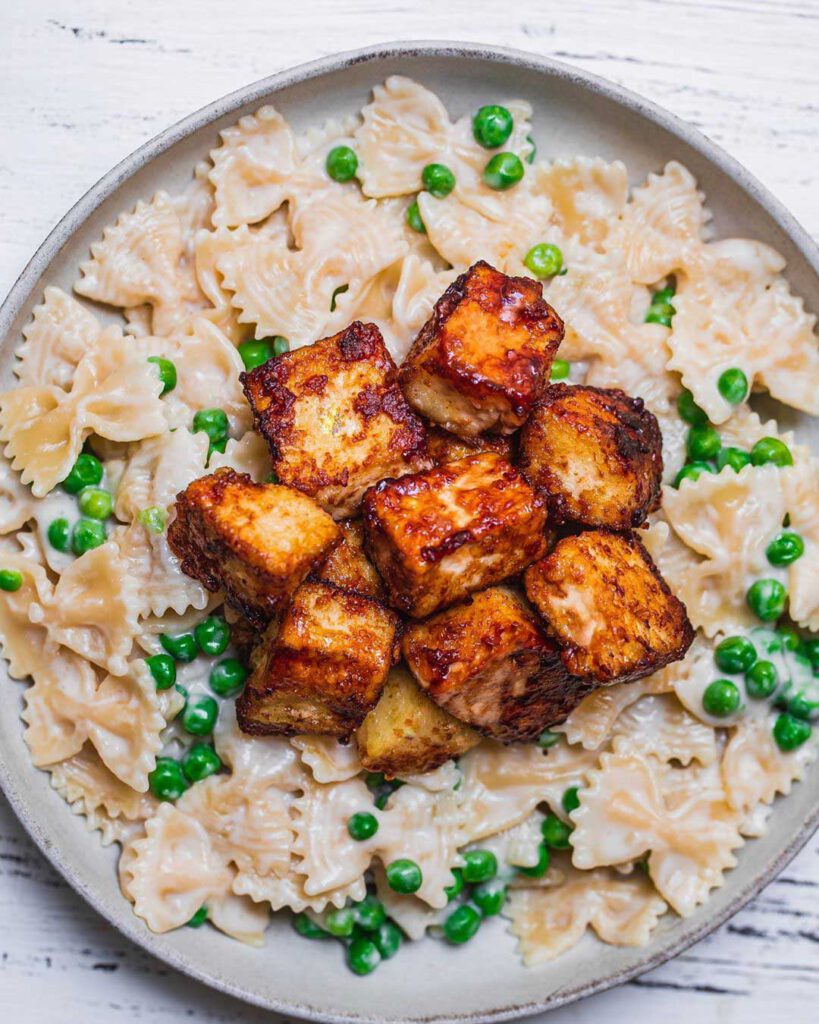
x,y
153,518
334,297
271,478
692,471
690,411
791,640
771,450
96,503
479,866
388,939
721,698
544,260
555,832
307,927
86,472
404,876
181,690
199,716
733,385
532,154
503,171
340,923
199,917
10,580
492,125
560,371
374,780
414,218
255,353
213,422
660,313
280,345
571,799
548,739
761,680
663,295
212,635
736,458
163,668
363,956
766,599
812,652
382,800
369,913
216,446
362,826
702,443
489,898
227,677
59,534
790,732
438,180
457,885
341,163
801,706
735,654
182,647
538,870
200,761
166,781
167,373
87,535
461,925
785,549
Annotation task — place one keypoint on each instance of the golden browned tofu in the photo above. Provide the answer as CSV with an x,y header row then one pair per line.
x,y
610,609
407,733
437,536
335,419
325,667
483,358
257,542
596,456
347,565
490,663
446,447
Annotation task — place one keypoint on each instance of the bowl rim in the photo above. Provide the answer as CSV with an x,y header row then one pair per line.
x,y
258,91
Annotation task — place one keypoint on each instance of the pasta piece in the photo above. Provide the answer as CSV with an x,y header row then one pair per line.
x,y
623,911
327,759
266,760
64,686
249,455
592,721
17,505
659,726
412,915
160,585
239,917
171,871
115,393
419,288
634,804
587,196
158,469
26,645
60,333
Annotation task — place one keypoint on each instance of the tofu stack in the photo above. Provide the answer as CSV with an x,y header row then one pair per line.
x,y
448,549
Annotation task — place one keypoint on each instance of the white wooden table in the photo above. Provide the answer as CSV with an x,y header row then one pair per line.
x,y
84,82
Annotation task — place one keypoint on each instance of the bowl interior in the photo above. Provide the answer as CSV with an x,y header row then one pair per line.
x,y
573,114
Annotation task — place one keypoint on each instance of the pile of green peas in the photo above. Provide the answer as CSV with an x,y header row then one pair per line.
x,y
364,928
210,637
795,695
96,505
492,127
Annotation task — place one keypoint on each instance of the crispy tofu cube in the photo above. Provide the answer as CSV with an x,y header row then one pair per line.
x,y
483,358
334,418
325,667
446,447
490,663
437,536
595,454
407,733
257,542
610,609
347,565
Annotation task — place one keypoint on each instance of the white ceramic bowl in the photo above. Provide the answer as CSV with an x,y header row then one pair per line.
x,y
574,113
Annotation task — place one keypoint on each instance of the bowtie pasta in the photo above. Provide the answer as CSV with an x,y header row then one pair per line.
x,y
640,801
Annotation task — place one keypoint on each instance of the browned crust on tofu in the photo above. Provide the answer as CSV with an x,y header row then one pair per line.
x,y
613,614
335,419
406,733
438,535
446,447
324,668
490,663
347,565
482,360
257,542
595,454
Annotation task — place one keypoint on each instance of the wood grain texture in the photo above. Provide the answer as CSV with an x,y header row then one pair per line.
x,y
84,83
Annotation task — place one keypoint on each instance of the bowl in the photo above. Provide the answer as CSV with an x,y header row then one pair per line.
x,y
574,112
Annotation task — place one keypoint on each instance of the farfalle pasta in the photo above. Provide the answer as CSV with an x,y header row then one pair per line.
x,y
638,803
